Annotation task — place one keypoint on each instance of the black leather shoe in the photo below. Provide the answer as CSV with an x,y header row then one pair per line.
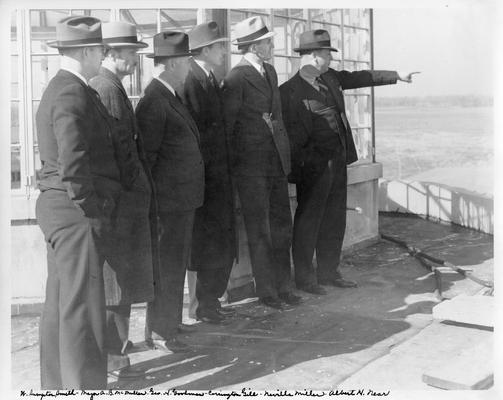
x,y
209,316
172,345
184,328
313,289
271,301
340,282
127,373
128,347
226,312
290,298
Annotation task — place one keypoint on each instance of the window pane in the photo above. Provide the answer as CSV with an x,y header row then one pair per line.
x,y
235,58
363,143
43,70
178,19
237,16
332,16
14,122
35,105
283,68
356,44
282,38
43,28
103,15
38,166
357,17
15,168
145,21
14,77
281,11
13,33
298,13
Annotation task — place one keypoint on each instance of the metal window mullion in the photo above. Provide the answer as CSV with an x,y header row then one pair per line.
x,y
342,38
22,109
201,16
271,16
114,14
29,151
372,107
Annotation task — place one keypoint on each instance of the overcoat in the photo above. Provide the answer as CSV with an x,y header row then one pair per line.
x,y
260,162
254,149
322,147
310,148
79,184
213,241
172,149
128,271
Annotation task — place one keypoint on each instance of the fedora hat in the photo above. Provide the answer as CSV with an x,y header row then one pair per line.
x,y
314,40
121,34
77,31
251,30
171,44
206,34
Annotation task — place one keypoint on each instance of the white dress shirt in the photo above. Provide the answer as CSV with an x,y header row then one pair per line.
x,y
255,61
71,65
203,66
170,88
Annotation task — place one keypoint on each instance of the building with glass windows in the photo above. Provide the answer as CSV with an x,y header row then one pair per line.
x,y
33,64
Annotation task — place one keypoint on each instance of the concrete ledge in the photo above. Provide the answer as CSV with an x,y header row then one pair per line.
x,y
438,201
364,172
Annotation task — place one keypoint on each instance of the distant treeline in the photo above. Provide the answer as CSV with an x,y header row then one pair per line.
x,y
435,101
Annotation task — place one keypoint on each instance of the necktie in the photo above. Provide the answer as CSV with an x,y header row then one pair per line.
x,y
213,80
323,88
94,93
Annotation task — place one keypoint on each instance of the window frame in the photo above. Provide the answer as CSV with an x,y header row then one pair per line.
x,y
23,198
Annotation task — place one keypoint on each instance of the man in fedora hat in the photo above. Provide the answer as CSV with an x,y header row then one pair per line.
x,y
213,245
128,269
80,185
322,146
260,161
172,147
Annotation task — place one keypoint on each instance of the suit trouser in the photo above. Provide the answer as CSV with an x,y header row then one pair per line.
x,y
72,327
164,314
266,210
117,335
211,285
319,224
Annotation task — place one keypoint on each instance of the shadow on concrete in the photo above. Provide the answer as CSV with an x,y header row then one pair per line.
x,y
258,343
314,345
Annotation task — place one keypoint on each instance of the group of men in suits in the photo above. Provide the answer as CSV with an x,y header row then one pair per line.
x,y
131,198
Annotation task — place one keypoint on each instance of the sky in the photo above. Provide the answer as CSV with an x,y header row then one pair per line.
x,y
453,47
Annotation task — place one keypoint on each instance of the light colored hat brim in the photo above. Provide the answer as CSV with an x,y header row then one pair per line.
x,y
152,55
299,49
267,35
54,44
210,43
139,45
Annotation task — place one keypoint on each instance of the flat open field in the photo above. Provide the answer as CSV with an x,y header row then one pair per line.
x,y
412,140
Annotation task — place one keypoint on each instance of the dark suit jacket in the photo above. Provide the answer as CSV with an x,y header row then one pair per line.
x,y
213,243
308,149
255,150
75,140
172,149
128,270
